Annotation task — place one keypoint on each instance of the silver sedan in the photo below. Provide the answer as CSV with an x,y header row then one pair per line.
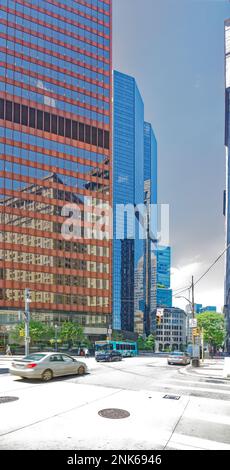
x,y
46,365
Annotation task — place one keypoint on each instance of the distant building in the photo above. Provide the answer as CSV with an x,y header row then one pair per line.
x,y
209,308
164,293
171,332
198,308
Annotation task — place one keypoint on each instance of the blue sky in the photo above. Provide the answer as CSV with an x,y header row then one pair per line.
x,y
175,50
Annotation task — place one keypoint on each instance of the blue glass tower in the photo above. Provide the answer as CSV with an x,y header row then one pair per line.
x,y
150,196
128,188
164,293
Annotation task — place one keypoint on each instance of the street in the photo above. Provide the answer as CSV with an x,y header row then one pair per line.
x,y
63,414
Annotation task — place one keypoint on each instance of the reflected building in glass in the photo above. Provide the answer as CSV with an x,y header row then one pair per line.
x,y
55,150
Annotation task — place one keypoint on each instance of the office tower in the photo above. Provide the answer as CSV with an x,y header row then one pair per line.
x,y
227,192
55,153
128,189
164,293
150,198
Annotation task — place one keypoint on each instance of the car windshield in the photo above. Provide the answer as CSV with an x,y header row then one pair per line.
x,y
34,357
177,353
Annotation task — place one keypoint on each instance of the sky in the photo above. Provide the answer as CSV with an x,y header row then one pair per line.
x,y
175,50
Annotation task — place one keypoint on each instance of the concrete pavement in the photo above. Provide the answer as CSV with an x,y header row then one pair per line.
x,y
63,414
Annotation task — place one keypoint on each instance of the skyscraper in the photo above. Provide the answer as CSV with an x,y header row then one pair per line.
x,y
150,198
227,193
55,150
128,188
164,293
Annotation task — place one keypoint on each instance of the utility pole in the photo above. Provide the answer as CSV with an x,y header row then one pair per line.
x,y
27,321
193,305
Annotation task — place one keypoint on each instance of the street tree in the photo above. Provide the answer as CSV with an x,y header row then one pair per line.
x,y
72,333
38,332
214,330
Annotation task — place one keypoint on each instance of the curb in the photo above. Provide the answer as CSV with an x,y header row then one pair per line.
x,y
205,376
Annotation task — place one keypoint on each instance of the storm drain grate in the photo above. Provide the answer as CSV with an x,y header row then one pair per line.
x,y
114,413
8,399
172,397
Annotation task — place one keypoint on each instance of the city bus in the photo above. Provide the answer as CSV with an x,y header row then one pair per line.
x,y
126,348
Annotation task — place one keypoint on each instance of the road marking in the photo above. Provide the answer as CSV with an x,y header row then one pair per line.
x,y
186,440
197,389
198,382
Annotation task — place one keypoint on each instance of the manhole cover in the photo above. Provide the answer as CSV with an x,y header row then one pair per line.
x,y
172,397
7,399
114,413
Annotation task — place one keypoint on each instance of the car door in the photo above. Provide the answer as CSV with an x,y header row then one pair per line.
x,y
56,364
70,365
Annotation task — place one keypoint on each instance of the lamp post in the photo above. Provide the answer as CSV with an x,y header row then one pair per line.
x,y
56,342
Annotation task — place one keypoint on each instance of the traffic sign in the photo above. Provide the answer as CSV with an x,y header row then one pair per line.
x,y
193,322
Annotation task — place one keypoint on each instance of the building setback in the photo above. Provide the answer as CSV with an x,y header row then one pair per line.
x,y
55,149
227,192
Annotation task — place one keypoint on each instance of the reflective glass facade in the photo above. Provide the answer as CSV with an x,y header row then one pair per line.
x,y
227,205
55,149
164,293
150,197
128,188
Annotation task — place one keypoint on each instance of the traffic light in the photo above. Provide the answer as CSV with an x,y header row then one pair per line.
x,y
196,331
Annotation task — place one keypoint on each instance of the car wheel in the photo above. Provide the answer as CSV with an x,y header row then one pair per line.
x,y
47,375
81,370
120,358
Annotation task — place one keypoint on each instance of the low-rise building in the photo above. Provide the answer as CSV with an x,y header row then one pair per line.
x,y
170,331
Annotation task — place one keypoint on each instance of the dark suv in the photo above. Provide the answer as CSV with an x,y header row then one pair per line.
x,y
108,356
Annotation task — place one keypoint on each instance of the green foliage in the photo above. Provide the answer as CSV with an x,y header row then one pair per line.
x,y
38,331
117,336
72,332
146,344
213,324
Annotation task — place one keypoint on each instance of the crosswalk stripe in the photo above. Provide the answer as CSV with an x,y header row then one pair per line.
x,y
199,382
179,440
197,389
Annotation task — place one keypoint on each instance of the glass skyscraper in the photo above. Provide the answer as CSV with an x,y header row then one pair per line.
x,y
128,188
164,293
227,193
55,150
150,197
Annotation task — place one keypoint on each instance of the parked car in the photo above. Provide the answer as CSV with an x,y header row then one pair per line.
x,y
108,356
178,357
46,365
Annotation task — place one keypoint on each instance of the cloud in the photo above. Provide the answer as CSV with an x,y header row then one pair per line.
x,y
181,276
206,293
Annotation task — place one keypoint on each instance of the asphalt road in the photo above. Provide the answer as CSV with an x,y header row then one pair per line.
x,y
63,414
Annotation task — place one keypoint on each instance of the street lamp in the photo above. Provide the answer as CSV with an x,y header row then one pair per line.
x,y
56,342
